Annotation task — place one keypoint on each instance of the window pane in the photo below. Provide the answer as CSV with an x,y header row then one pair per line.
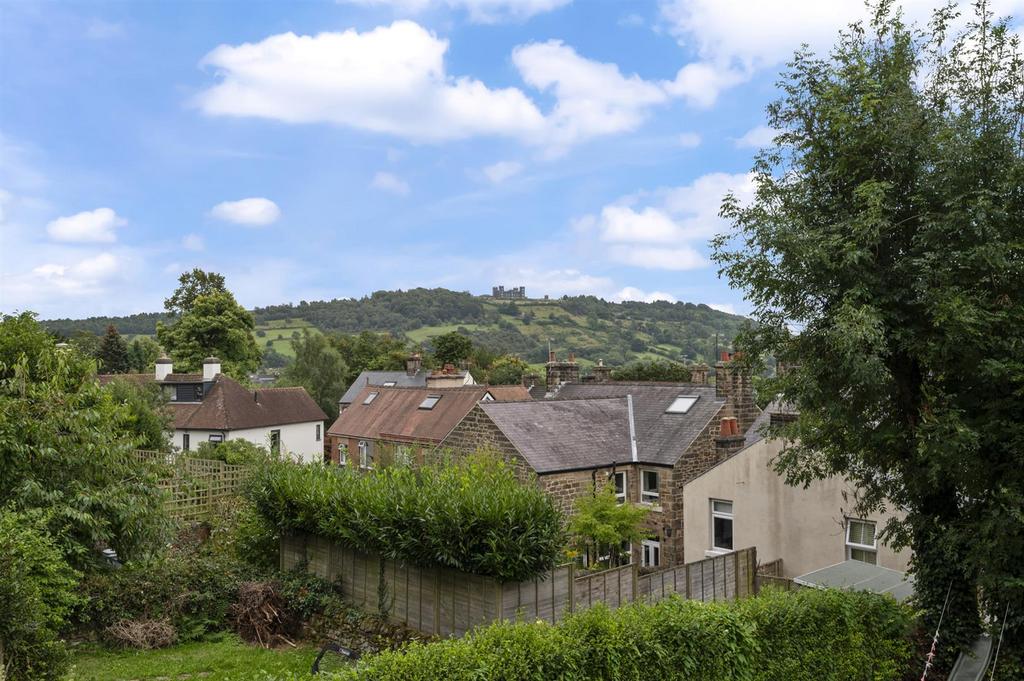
x,y
650,481
864,556
370,398
722,533
430,401
620,483
682,404
722,506
861,532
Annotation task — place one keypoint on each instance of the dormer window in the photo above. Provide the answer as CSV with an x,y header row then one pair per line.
x,y
430,401
682,404
370,398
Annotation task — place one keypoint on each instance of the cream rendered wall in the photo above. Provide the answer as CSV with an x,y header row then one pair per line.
x,y
804,527
297,439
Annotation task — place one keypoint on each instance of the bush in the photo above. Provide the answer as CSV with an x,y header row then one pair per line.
x,y
36,593
819,635
472,516
234,452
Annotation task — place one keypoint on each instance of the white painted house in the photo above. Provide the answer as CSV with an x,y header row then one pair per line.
x,y
213,407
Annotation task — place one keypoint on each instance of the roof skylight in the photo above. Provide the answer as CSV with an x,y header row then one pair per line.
x,y
371,397
682,404
429,401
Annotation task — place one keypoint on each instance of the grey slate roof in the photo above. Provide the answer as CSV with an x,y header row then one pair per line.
x,y
661,438
560,435
401,378
754,434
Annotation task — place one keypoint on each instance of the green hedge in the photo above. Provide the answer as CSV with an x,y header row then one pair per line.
x,y
808,635
473,515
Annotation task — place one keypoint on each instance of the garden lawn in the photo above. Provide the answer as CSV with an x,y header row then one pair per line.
x,y
225,659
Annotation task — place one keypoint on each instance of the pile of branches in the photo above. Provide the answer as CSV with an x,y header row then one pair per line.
x,y
143,634
261,616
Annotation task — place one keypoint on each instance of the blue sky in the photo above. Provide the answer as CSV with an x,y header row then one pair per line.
x,y
322,150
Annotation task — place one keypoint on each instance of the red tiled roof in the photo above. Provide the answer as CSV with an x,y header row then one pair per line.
x,y
395,414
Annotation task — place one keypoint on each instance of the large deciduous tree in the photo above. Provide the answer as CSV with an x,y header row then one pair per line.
x,y
191,285
451,348
215,324
883,255
319,369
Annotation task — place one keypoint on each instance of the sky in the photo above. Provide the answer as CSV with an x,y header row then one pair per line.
x,y
318,150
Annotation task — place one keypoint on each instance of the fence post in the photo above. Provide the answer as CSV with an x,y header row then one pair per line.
x,y
636,579
437,601
572,587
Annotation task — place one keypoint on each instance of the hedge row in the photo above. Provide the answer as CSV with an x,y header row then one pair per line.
x,y
473,515
808,635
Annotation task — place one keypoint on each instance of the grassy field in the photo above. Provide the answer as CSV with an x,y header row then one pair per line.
x,y
279,333
227,659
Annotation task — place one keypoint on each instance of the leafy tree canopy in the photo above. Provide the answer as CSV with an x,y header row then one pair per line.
x,y
883,257
600,524
113,353
66,450
319,369
507,370
652,370
214,325
368,350
451,348
191,285
142,354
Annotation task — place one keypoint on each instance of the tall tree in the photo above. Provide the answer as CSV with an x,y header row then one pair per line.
x,y
368,350
191,285
451,348
883,257
113,353
319,369
143,353
215,324
67,450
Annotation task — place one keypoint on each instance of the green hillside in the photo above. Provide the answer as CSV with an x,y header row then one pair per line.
x,y
591,327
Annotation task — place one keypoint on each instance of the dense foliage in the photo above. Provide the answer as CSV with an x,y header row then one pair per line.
x,y
191,285
236,452
66,449
113,353
150,418
808,635
600,525
451,348
472,515
652,370
319,368
214,325
886,228
36,593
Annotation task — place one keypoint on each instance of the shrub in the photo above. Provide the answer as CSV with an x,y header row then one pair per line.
x,y
818,635
472,516
36,593
234,452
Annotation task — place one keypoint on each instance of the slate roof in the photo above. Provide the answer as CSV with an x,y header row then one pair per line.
x,y
395,414
661,437
754,434
401,379
560,435
230,406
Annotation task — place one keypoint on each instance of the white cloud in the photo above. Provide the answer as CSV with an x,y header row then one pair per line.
x,y
502,170
593,98
554,281
88,226
658,258
633,293
388,182
392,80
252,212
480,11
756,138
86,277
728,308
700,83
622,223
193,242
689,140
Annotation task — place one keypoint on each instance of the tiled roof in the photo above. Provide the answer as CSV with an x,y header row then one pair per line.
x,y
560,435
401,378
661,437
395,414
756,431
230,406
183,378
509,393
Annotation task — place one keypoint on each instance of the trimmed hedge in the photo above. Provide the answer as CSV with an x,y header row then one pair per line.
x,y
472,515
808,635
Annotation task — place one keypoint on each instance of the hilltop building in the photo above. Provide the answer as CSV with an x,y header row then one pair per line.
x,y
514,293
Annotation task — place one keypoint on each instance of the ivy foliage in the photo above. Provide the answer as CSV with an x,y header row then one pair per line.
x,y
472,515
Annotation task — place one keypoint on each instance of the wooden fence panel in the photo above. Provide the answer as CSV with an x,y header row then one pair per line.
x,y
194,487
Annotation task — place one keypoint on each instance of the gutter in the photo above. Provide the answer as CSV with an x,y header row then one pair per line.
x,y
632,429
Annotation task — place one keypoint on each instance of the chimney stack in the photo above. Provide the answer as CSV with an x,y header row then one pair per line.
x,y
163,367
413,364
734,385
699,373
561,372
600,372
211,367
730,439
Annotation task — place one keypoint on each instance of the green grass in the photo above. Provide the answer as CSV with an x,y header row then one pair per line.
x,y
283,328
425,333
227,659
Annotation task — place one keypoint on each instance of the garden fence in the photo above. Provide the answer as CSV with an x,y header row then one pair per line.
x,y
444,602
194,487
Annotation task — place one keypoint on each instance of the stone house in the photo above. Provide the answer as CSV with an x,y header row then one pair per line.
x,y
742,501
648,439
402,424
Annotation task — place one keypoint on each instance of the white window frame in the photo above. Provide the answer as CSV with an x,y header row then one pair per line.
x,y
864,549
647,496
722,515
216,438
365,459
622,496
370,398
650,553
429,402
389,384
342,453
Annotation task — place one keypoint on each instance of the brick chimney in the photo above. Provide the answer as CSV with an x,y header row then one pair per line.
x,y
561,372
735,386
730,438
163,367
600,372
699,373
413,364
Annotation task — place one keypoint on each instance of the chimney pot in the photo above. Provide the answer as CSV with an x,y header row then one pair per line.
x,y
726,356
163,367
551,355
572,356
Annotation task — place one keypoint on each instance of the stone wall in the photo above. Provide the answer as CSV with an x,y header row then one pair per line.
x,y
475,432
